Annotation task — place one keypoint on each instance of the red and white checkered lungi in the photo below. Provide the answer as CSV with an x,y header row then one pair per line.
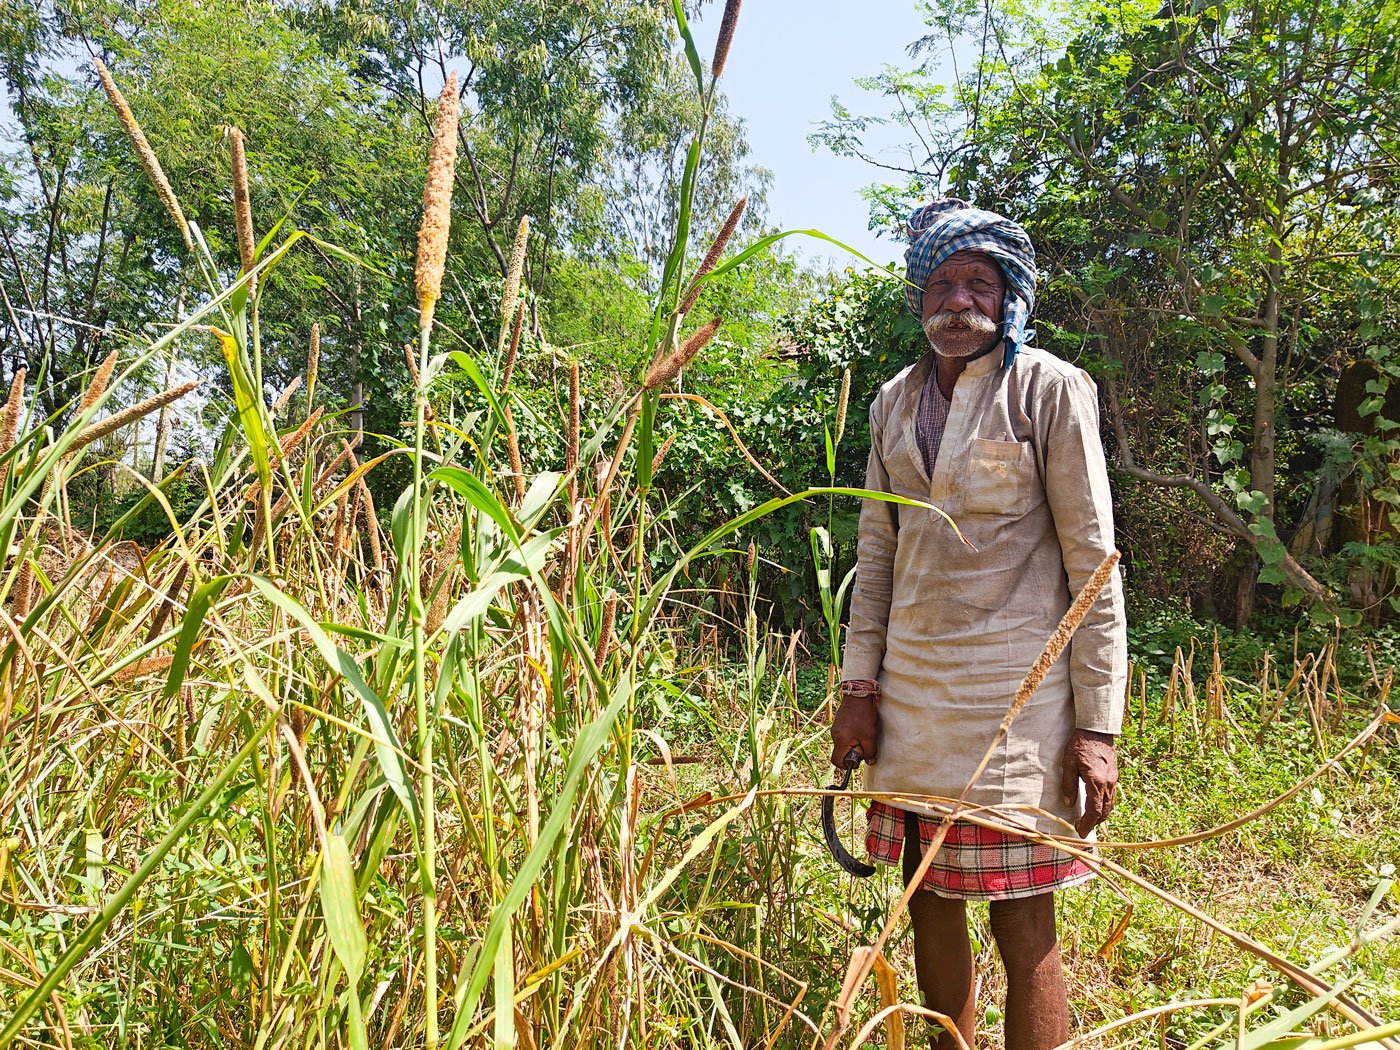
x,y
974,863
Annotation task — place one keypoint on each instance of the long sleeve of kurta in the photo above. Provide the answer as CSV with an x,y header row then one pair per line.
x,y
1076,488
875,550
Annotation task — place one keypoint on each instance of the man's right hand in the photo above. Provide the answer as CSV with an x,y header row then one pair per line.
x,y
856,725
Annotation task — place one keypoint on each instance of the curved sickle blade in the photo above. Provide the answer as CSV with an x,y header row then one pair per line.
x,y
858,868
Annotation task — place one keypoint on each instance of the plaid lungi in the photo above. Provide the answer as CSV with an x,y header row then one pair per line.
x,y
974,863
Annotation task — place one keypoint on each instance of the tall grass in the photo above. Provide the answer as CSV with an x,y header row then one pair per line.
x,y
288,780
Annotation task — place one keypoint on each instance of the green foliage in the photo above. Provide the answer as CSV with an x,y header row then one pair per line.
x,y
1192,199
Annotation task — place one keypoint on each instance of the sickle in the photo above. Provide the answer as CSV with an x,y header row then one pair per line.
x,y
858,868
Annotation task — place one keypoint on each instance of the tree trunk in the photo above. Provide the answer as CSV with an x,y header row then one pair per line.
x,y
1246,587
357,349
1263,452
163,420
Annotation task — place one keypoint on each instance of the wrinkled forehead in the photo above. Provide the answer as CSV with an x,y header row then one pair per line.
x,y
969,261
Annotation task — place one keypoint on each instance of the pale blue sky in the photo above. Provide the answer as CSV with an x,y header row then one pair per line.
x,y
789,57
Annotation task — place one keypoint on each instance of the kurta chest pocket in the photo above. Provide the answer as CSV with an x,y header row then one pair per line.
x,y
1000,478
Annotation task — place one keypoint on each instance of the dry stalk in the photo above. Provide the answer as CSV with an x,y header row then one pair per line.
x,y
114,422
144,153
242,204
712,256
668,367
1059,641
575,425
411,363
437,206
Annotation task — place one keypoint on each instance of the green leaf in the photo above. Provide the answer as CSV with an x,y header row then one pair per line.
x,y
692,56
1287,1022
474,491
198,608
589,742
340,907
387,750
1251,502
249,403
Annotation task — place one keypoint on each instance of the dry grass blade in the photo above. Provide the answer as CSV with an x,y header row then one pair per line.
x,y
127,416
437,206
144,153
669,367
1298,975
738,441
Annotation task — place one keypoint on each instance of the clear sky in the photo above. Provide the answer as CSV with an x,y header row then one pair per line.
x,y
789,58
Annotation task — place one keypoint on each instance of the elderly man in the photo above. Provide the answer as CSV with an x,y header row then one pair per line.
x,y
1004,437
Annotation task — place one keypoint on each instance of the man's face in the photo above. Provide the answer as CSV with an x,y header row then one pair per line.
x,y
962,304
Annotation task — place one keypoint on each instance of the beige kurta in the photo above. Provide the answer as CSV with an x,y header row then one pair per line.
x,y
949,632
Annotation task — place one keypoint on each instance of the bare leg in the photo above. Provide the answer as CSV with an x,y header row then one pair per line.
x,y
942,955
1037,1004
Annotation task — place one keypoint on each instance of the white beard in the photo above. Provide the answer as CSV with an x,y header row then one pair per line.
x,y
958,335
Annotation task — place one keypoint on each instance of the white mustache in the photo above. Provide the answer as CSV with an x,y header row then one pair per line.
x,y
971,318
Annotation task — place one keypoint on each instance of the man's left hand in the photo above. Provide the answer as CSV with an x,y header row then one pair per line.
x,y
1092,758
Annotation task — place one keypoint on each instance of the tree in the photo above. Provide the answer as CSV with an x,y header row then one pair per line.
x,y
1219,178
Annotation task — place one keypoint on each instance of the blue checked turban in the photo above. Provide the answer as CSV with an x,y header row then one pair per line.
x,y
949,225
